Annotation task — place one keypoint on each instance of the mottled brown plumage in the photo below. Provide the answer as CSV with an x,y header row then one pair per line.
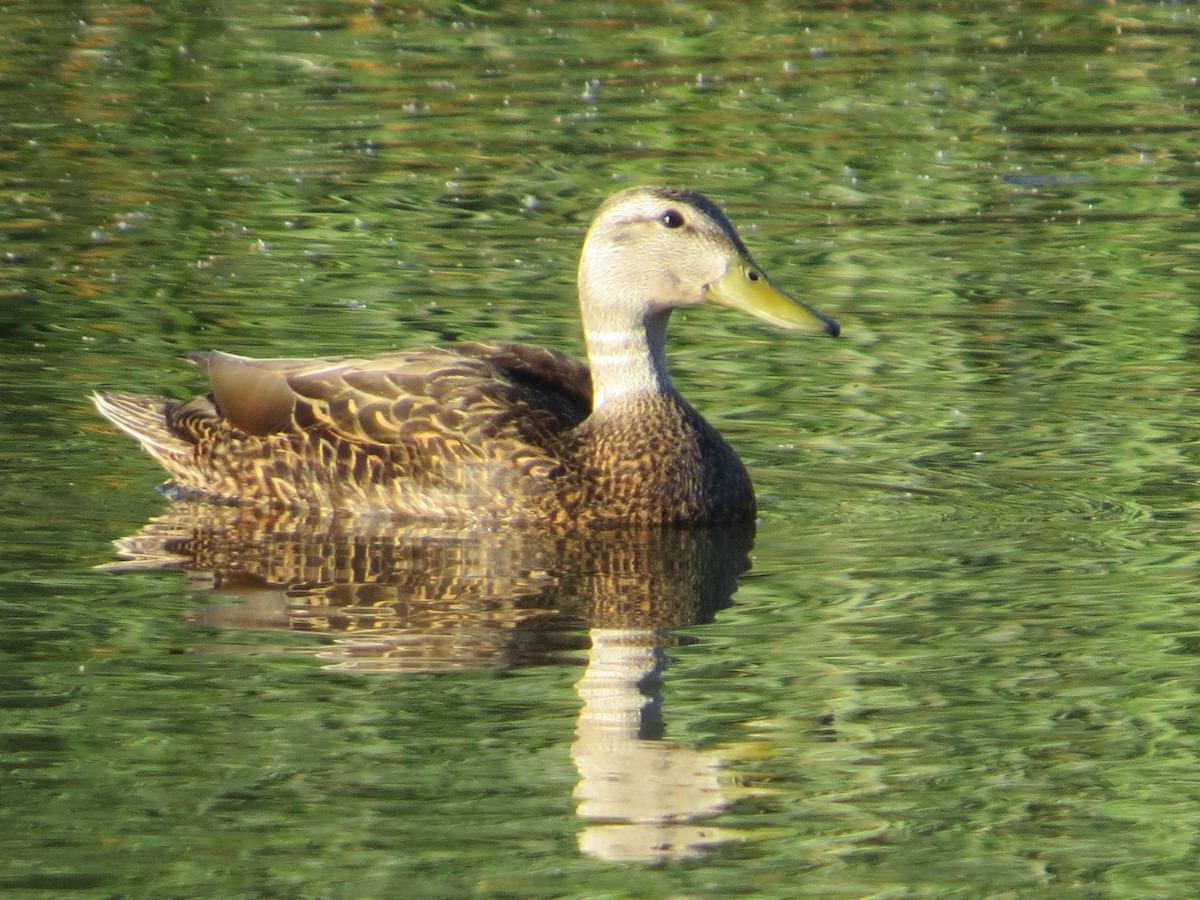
x,y
493,432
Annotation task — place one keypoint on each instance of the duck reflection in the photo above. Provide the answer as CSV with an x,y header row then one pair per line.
x,y
407,597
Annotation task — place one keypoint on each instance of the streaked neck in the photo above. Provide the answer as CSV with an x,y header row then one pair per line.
x,y
628,359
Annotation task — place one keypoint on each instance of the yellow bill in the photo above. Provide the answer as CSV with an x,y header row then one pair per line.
x,y
744,287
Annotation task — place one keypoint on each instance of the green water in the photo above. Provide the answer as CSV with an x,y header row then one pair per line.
x,y
963,661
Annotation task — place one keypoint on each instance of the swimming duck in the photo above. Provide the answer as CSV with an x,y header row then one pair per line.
x,y
486,432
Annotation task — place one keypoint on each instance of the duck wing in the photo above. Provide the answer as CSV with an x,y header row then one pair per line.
x,y
469,395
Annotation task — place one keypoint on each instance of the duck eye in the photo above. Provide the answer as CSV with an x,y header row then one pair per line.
x,y
752,275
672,219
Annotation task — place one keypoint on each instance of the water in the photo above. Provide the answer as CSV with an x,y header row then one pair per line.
x,y
962,661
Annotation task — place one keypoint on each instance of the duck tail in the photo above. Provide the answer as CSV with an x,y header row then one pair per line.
x,y
145,419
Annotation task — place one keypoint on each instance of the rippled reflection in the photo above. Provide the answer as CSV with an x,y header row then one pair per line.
x,y
643,797
403,597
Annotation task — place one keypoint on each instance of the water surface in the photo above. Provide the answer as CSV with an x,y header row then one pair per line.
x,y
963,659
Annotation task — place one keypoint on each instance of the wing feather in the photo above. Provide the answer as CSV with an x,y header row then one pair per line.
x,y
470,397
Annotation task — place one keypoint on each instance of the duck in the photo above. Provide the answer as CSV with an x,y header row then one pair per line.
x,y
481,433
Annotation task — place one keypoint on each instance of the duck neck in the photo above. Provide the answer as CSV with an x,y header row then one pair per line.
x,y
627,357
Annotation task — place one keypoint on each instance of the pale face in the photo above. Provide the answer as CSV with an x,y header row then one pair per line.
x,y
650,250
